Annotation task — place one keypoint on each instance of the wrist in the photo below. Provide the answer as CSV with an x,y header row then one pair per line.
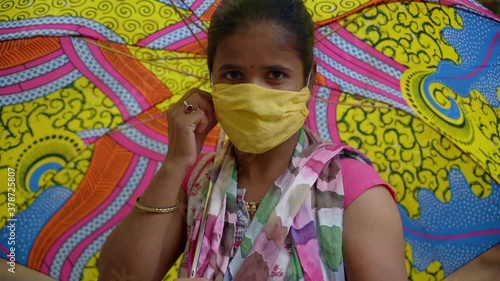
x,y
179,163
173,167
165,186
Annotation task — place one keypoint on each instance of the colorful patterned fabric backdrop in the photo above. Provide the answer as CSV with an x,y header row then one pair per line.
x,y
84,84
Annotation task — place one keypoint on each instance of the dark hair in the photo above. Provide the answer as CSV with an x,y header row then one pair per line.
x,y
292,15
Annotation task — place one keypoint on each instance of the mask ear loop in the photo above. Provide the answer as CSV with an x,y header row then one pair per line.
x,y
309,78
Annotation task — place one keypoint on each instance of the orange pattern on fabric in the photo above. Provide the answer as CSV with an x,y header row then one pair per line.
x,y
21,51
100,180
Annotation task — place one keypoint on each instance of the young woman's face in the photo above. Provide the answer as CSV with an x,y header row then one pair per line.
x,y
258,55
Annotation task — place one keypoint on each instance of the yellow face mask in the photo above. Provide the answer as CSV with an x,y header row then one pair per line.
x,y
257,119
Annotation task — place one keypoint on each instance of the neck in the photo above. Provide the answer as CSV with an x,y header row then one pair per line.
x,y
269,165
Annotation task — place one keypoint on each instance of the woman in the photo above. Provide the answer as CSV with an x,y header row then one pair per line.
x,y
282,204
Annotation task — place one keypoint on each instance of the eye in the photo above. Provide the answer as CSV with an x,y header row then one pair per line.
x,y
232,75
276,75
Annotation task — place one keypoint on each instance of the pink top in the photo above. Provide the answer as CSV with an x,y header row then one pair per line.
x,y
358,177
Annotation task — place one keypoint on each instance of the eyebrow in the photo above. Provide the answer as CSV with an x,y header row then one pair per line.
x,y
278,67
230,66
269,67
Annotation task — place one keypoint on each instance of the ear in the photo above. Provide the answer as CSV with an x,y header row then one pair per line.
x,y
312,79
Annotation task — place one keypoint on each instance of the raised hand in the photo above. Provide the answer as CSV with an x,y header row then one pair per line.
x,y
189,122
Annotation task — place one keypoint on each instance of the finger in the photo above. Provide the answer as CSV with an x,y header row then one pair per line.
x,y
195,120
200,99
187,109
185,97
203,122
209,113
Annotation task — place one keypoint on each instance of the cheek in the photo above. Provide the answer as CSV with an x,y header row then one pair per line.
x,y
299,83
215,77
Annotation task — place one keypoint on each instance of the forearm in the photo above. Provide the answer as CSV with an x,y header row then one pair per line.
x,y
146,245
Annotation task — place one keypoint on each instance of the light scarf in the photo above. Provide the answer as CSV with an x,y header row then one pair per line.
x,y
306,202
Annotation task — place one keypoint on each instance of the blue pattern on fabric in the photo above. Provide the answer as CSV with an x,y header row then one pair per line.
x,y
462,228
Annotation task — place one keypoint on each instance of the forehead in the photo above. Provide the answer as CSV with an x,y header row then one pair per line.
x,y
258,45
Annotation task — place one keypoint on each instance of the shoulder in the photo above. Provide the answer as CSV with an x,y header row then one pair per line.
x,y
358,174
358,177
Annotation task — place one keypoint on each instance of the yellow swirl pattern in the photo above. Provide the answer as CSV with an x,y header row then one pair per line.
x,y
416,43
481,141
80,107
434,272
407,153
131,20
177,71
73,172
325,10
43,131
416,39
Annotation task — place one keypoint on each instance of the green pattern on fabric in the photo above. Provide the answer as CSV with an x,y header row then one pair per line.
x,y
246,246
300,143
294,272
330,241
268,204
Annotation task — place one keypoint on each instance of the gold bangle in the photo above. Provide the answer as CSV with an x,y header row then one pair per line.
x,y
156,210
